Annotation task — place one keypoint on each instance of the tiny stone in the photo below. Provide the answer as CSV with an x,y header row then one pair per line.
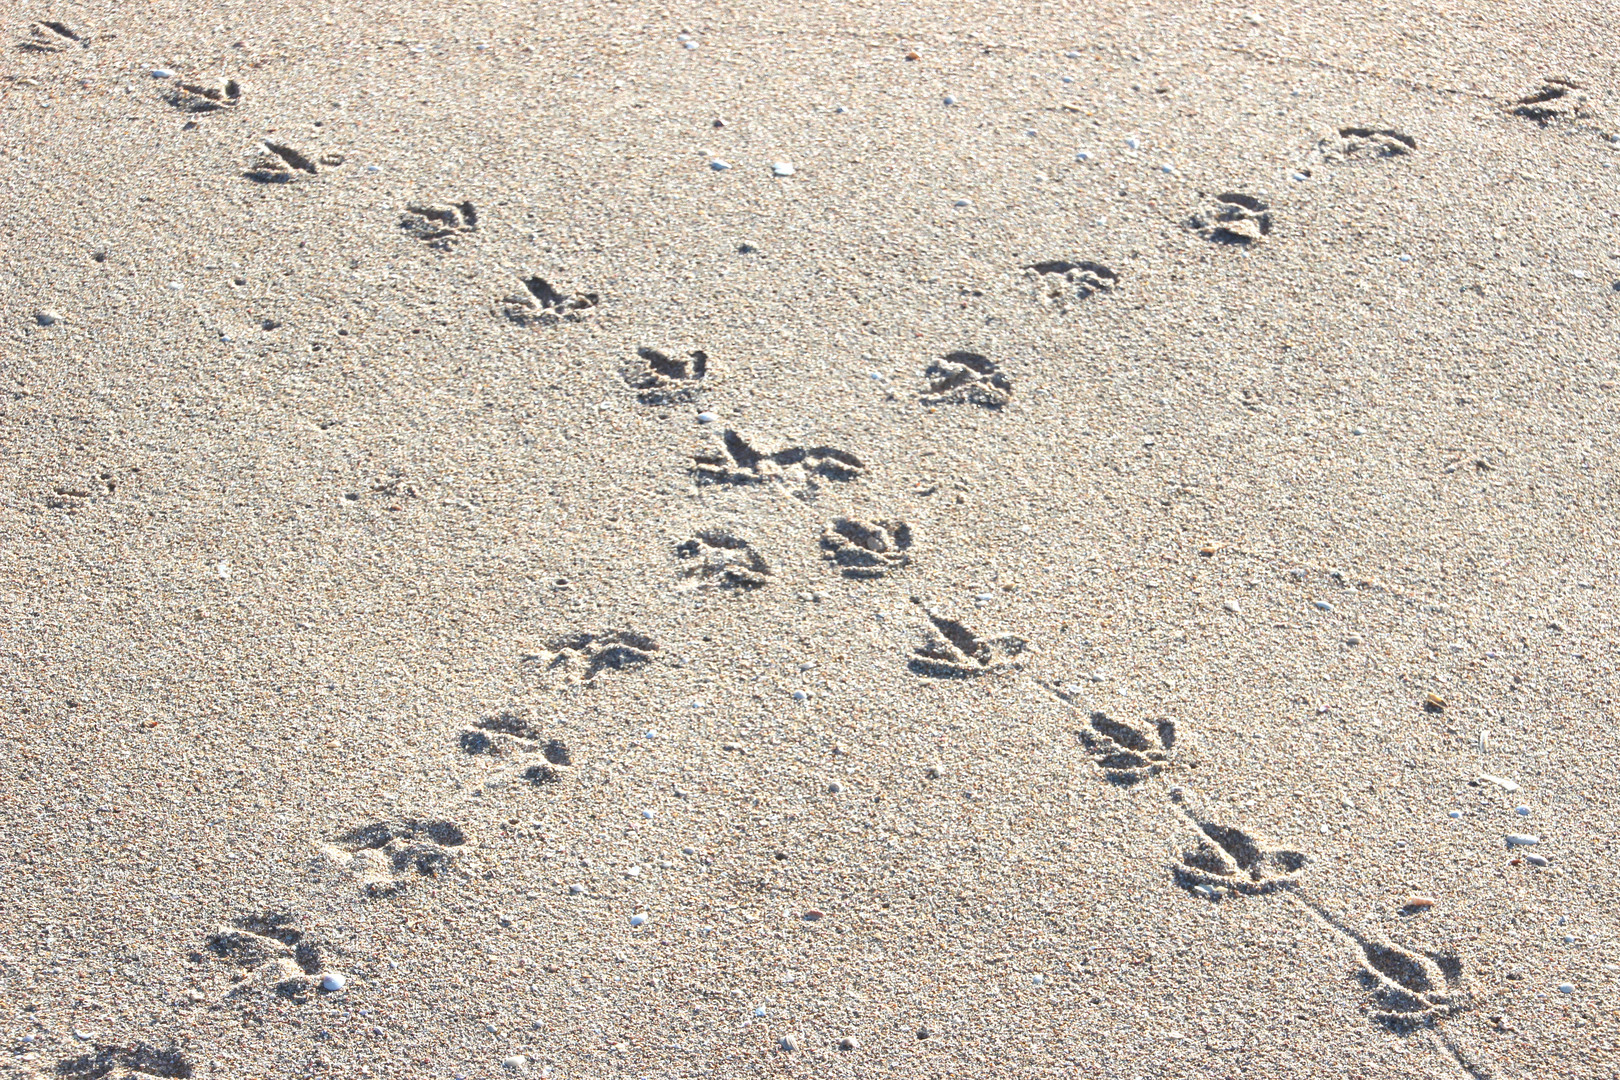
x,y
801,695
1321,605
516,1063
1505,785
1456,813
950,99
782,168
849,1042
718,166
1134,143
333,981
638,919
648,814
706,418
1537,860
1522,840
1072,55
1566,988
1522,811
162,73
814,915
1353,639
1230,605
834,788
1418,901
576,890
47,318
1358,431
789,1043
691,45
1569,939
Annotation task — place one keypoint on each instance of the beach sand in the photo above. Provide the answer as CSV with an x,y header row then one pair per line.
x,y
1136,532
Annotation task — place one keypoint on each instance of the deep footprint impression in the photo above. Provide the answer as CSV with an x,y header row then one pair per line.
x,y
951,651
665,380
967,378
715,557
867,549
1232,218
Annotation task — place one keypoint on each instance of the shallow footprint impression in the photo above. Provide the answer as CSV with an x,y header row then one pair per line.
x,y
867,549
716,558
387,855
1061,284
950,650
967,378
1232,218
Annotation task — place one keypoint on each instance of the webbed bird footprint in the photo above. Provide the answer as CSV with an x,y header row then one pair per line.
x,y
197,98
666,380
1061,284
951,651
1128,754
1358,142
1409,990
1232,218
1216,857
276,163
867,549
715,557
540,304
967,378
386,855
580,657
439,225
739,461
1557,99
274,953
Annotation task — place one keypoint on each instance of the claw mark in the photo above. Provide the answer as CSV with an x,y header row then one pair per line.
x,y
867,549
951,651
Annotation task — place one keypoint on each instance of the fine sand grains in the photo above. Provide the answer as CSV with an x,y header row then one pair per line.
x,y
975,542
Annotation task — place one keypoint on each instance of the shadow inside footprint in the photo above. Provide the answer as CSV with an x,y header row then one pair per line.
x,y
1128,754
140,1059
952,651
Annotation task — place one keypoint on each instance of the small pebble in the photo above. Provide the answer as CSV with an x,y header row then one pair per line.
x,y
373,168
1406,258
834,788
801,695
333,981
1321,605
1134,143
782,168
1068,78
1418,901
789,1043
1456,813
849,1042
963,202
515,1063
1081,155
1167,168
1566,988
576,890
691,45
1432,700
47,318
759,1010
814,915
648,814
1522,840
1537,860
1505,785
950,99
1072,55
706,418
719,166
1230,605
638,919
1569,939
1353,639
162,73
1522,811
1358,431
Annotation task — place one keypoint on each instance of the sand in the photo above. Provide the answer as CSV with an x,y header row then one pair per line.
x,y
415,660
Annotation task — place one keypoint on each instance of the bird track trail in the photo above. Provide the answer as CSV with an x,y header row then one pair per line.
x,y
1409,992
